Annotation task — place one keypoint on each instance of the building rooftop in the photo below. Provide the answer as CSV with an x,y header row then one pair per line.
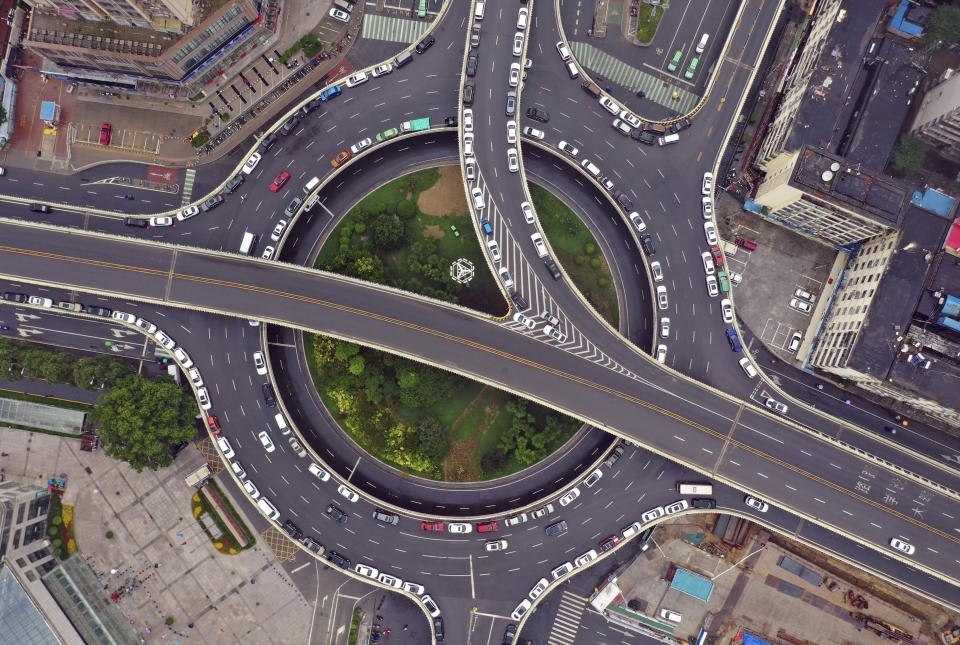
x,y
909,19
899,293
850,186
23,622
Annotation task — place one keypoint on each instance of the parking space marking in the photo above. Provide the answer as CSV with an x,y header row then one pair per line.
x,y
278,542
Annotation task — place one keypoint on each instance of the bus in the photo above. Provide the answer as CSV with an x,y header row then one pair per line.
x,y
695,488
246,246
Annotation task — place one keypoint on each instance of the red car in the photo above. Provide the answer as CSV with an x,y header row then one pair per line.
x,y
717,256
214,424
609,543
431,526
279,180
487,527
105,130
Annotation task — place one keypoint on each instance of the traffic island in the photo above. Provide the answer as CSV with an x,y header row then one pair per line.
x,y
220,521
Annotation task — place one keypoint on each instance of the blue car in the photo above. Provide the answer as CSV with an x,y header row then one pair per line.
x,y
485,225
331,92
734,340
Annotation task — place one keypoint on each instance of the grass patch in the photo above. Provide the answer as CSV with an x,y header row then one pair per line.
x,y
354,625
577,250
60,527
648,19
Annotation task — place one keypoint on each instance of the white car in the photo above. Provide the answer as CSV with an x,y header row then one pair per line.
x,y
670,615
163,340
251,163
804,295
594,477
795,342
513,160
587,557
662,301
573,151
527,211
195,377
707,187
522,16
357,79
710,232
318,472
145,325
518,44
712,289
431,606
382,70
676,507
496,545
226,448
657,271
459,527
527,322
478,201
541,512
468,121
726,307
707,207
665,327
520,518
190,211
259,363
505,277
238,470
118,315
533,133
361,145
622,127
347,493
494,250
652,514
904,547
468,144
571,495
610,106
470,169
662,354
638,222
414,588
756,504
524,605
776,406
800,305
369,572
265,440
539,245
511,130
251,489
630,531
555,334
278,230
161,221
514,78
539,588
708,267
563,51
390,581
183,357
337,14
562,570
204,398
268,252
630,118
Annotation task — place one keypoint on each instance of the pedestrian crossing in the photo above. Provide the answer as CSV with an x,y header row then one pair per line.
x,y
633,79
188,178
567,621
394,29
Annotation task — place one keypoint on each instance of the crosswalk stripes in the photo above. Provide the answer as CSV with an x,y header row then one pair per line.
x,y
567,621
394,29
634,79
188,180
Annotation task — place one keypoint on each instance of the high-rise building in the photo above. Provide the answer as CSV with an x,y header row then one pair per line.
x,y
938,120
139,13
23,527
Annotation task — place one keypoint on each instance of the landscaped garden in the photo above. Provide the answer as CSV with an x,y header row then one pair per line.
x,y
220,521
420,419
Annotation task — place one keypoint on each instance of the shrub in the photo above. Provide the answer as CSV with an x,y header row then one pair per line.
x,y
55,520
595,263
109,535
603,282
580,259
53,530
406,209
169,620
57,543
589,249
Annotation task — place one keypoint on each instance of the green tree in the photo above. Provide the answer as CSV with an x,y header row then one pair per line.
x,y
356,365
142,419
92,372
346,350
3,115
406,209
908,156
942,28
387,232
431,440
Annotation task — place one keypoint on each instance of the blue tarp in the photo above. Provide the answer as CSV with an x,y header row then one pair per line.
x,y
752,206
949,322
48,111
900,22
933,201
951,307
749,639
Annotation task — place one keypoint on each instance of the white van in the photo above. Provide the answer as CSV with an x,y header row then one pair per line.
x,y
670,138
703,43
313,183
282,424
572,70
267,508
591,168
478,11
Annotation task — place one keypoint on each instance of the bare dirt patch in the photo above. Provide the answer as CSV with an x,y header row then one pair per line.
x,y
446,195
460,464
433,231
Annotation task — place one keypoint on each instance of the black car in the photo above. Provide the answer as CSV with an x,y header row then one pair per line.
x,y
509,634
682,124
292,530
426,43
304,111
39,208
136,222
289,125
472,62
211,203
438,628
468,91
14,297
450,121
643,136
233,184
312,544
99,311
335,513
648,246
538,115
552,268
624,200
314,104
268,143
268,396
387,518
339,560
557,528
519,299
703,502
